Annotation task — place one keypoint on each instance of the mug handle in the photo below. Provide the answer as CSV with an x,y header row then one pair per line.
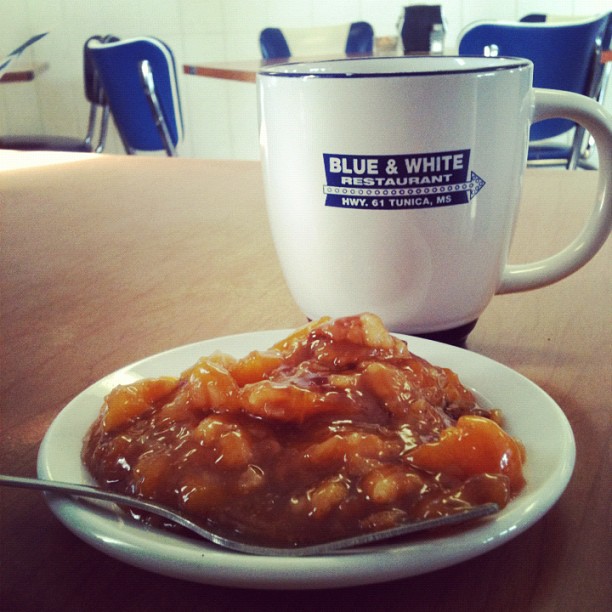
x,y
548,104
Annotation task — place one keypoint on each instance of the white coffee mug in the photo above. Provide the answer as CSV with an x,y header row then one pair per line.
x,y
393,184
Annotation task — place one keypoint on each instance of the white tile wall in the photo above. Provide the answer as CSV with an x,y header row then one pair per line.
x,y
220,116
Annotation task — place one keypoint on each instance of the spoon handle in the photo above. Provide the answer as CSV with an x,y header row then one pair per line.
x,y
338,546
152,507
80,490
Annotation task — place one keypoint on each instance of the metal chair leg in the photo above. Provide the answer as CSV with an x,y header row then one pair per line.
x,y
148,83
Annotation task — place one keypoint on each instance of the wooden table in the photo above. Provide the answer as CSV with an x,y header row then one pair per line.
x,y
234,71
106,260
27,72
246,70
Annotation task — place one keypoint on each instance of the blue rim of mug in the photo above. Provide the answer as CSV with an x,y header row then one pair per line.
x,y
503,63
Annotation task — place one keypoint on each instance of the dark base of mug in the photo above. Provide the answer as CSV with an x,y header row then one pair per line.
x,y
455,336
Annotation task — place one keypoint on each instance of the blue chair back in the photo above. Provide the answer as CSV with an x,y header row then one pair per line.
x,y
94,91
563,55
273,44
360,39
120,68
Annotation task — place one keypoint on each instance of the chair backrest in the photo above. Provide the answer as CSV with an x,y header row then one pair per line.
x,y
94,92
350,38
564,56
140,81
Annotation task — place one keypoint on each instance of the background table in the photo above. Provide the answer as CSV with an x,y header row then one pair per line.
x,y
234,71
109,259
246,70
27,72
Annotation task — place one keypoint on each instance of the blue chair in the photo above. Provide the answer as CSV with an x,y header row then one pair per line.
x,y
354,38
565,56
600,76
140,82
97,123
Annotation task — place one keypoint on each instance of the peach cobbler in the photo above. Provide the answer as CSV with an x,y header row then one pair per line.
x,y
335,430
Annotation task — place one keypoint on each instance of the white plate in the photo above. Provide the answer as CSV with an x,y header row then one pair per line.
x,y
531,415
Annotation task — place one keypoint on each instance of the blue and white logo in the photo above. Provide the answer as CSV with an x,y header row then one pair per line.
x,y
399,182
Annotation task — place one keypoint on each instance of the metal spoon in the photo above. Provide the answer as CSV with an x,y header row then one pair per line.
x,y
229,542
